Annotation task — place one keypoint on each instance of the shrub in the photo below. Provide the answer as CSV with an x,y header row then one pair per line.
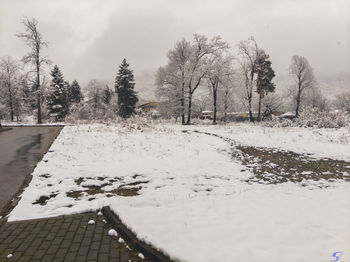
x,y
311,117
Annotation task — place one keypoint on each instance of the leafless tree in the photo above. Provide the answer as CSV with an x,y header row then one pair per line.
x,y
179,58
202,52
170,79
9,73
170,92
229,82
315,98
33,39
271,104
304,78
218,71
250,54
342,101
186,68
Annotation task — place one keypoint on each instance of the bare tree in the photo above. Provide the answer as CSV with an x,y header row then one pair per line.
x,y
303,76
219,69
271,104
202,53
342,101
179,58
315,98
186,68
229,82
34,41
170,79
9,71
249,53
169,91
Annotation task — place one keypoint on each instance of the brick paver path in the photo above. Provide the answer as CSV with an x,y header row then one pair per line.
x,y
65,238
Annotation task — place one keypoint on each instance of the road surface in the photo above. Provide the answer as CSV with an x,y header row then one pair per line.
x,y
20,150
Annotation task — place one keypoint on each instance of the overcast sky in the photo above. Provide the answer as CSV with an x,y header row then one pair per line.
x,y
89,38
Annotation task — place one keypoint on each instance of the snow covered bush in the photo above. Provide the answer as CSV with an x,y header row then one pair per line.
x,y
312,117
86,112
83,114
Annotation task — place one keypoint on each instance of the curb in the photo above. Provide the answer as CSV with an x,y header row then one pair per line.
x,y
146,249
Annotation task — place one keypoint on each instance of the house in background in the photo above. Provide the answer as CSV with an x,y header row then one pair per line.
x,y
148,107
207,114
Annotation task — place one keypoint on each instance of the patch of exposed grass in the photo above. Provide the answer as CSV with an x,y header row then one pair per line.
x,y
45,175
271,166
126,191
43,199
74,194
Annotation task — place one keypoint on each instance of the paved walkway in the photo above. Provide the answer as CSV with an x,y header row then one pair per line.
x,y
65,238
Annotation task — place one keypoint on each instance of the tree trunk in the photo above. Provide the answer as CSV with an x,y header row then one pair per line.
x,y
183,100
11,104
189,108
251,118
183,106
298,105
225,107
39,109
38,90
298,101
260,97
214,100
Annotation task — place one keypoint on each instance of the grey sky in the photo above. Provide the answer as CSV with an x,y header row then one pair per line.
x,y
88,39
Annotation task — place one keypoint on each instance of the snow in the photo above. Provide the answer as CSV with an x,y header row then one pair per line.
x,y
194,203
319,143
112,233
287,114
91,222
120,240
298,224
140,255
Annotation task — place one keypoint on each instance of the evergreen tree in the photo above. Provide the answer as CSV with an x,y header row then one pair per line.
x,y
75,95
57,99
68,91
107,96
124,87
265,75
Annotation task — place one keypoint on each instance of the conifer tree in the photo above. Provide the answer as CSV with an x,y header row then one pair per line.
x,y
75,95
265,75
124,87
67,88
107,96
57,99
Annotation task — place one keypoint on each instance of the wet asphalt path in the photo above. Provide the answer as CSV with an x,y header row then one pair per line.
x,y
20,150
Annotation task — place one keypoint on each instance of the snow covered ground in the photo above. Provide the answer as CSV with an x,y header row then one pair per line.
x,y
321,143
184,193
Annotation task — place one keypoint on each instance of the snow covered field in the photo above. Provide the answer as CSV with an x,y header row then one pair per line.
x,y
325,142
186,194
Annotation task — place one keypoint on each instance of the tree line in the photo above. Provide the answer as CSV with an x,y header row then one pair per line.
x,y
246,76
24,87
